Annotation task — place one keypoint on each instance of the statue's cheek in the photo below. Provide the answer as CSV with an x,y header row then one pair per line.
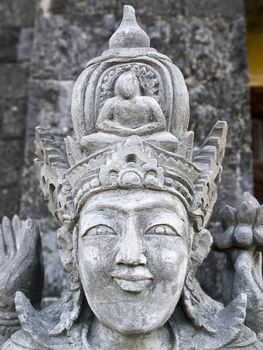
x,y
96,257
167,258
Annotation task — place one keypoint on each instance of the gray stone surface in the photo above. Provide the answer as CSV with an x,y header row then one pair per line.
x,y
19,13
9,37
206,8
16,22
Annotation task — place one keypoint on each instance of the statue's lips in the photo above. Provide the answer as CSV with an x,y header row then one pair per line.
x,y
132,283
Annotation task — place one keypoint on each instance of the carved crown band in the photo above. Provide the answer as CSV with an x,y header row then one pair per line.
x,y
132,164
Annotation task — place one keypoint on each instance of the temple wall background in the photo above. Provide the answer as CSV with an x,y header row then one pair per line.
x,y
45,45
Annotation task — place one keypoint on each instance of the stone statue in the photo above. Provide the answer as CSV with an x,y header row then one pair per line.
x,y
128,113
133,201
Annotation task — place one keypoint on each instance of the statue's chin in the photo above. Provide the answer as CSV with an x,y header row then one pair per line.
x,y
135,321
137,328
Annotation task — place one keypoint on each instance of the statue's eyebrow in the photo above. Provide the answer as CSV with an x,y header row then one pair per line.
x,y
104,207
135,208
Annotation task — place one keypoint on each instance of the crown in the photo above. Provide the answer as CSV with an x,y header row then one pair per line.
x,y
130,115
132,163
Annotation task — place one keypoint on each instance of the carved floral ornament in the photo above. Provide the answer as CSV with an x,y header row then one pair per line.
x,y
133,200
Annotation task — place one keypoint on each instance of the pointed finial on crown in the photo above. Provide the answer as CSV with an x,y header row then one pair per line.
x,y
129,34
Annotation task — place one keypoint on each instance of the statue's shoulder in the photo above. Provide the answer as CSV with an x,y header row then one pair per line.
x,y
247,340
37,328
227,329
20,340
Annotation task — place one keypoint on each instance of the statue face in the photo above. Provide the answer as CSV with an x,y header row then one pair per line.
x,y
127,86
133,255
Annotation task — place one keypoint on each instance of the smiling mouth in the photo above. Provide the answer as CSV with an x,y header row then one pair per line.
x,y
133,284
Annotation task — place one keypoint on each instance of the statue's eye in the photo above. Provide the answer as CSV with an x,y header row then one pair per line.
x,y
101,230
162,230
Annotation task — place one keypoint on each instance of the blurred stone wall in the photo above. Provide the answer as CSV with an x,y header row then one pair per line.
x,y
16,34
205,38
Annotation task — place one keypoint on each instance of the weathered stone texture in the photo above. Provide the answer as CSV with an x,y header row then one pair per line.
x,y
16,21
204,38
62,47
9,37
204,8
18,13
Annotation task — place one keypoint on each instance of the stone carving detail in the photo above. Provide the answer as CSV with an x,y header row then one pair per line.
x,y
242,239
133,200
129,113
149,80
20,269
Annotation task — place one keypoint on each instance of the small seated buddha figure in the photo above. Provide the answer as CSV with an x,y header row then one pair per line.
x,y
129,113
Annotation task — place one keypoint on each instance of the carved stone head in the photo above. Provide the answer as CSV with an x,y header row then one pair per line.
x,y
127,85
133,250
133,205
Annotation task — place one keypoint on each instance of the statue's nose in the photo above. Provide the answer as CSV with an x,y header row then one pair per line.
x,y
131,248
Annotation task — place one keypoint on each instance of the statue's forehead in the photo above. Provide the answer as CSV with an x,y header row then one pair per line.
x,y
134,201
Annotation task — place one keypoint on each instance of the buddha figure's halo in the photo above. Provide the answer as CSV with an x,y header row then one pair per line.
x,y
129,49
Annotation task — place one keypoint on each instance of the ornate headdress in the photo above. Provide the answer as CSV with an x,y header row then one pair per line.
x,y
130,113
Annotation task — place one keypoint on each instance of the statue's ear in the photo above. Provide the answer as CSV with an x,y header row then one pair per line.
x,y
209,160
65,245
197,305
201,245
72,299
67,249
